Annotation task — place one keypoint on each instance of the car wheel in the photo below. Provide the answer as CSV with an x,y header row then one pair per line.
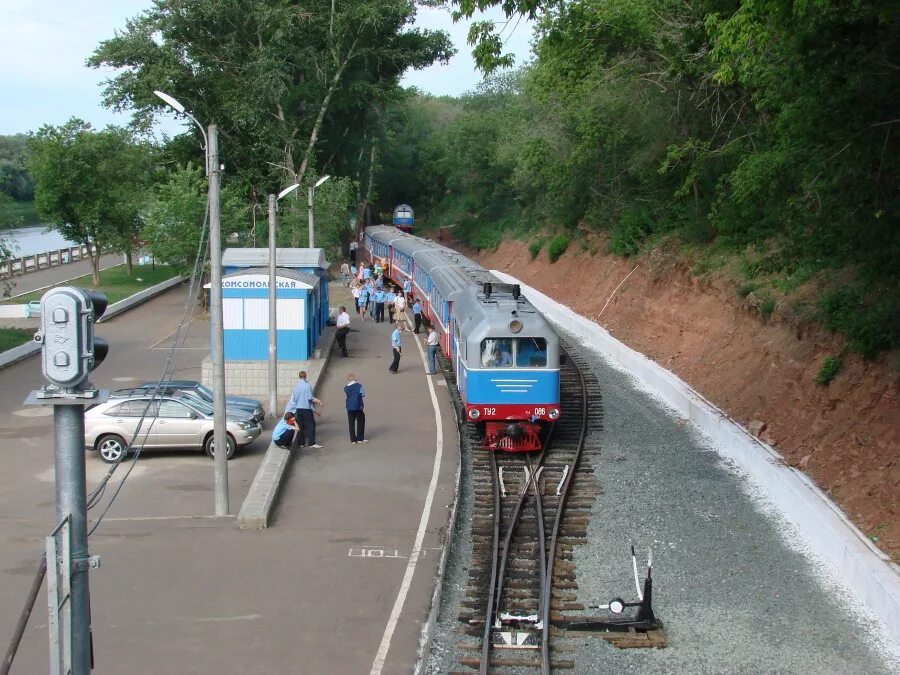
x,y
210,446
111,448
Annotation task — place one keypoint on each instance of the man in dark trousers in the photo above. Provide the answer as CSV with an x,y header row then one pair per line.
x,y
417,316
343,327
356,418
397,347
301,403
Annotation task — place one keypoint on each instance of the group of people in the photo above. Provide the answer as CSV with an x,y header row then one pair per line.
x,y
372,293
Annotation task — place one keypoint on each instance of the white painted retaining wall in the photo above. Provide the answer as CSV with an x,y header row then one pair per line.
x,y
830,535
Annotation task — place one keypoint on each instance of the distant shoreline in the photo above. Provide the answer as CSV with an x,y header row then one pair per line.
x,y
15,214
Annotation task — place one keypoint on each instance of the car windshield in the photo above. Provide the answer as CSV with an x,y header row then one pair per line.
x,y
196,402
206,391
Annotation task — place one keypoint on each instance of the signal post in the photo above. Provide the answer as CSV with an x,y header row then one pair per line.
x,y
69,353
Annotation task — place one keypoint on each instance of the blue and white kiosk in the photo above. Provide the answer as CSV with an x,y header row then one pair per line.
x,y
301,310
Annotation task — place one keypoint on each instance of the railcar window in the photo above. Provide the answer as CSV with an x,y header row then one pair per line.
x,y
531,353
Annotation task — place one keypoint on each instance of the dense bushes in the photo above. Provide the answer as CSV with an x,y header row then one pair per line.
x,y
762,129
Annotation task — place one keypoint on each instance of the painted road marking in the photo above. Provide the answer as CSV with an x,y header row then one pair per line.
x,y
381,552
381,656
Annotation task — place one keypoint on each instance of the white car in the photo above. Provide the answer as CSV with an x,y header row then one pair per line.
x,y
161,422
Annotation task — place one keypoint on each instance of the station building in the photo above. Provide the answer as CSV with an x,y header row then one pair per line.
x,y
301,307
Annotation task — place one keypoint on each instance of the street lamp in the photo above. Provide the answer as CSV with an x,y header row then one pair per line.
x,y
273,320
220,437
175,105
312,189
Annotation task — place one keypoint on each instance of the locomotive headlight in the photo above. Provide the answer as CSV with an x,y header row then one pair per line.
x,y
515,325
474,414
553,413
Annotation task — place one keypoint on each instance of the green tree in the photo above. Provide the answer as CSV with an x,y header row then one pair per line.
x,y
174,217
291,84
90,185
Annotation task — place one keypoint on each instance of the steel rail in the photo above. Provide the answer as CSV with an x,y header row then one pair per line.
x,y
488,621
543,597
564,494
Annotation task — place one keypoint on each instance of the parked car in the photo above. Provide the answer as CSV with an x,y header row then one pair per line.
x,y
231,410
204,392
169,421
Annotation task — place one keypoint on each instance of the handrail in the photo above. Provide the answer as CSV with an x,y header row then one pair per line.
x,y
38,261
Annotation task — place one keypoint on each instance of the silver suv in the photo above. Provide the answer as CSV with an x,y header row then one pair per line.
x,y
169,422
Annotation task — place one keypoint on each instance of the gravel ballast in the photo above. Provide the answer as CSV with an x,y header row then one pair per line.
x,y
732,583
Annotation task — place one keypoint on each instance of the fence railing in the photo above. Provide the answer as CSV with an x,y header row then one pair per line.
x,y
39,261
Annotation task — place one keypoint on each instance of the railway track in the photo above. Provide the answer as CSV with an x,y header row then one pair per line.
x,y
529,514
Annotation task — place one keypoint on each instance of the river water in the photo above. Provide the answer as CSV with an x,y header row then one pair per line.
x,y
24,241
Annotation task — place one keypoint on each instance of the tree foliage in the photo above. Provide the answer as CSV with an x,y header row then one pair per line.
x,y
767,128
292,84
89,184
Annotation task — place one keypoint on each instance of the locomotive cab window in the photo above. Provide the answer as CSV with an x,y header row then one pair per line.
x,y
497,352
518,352
531,353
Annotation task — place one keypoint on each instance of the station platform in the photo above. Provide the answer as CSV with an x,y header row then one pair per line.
x,y
351,597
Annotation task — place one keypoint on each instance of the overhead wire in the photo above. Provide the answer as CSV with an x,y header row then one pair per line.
x,y
171,363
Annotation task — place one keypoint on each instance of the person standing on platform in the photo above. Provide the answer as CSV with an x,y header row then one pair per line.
x,y
356,418
399,307
353,247
407,289
343,327
367,272
379,305
431,342
417,316
345,273
302,404
361,301
396,347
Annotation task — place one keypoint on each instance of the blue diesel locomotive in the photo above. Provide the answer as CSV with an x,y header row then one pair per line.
x,y
404,218
504,353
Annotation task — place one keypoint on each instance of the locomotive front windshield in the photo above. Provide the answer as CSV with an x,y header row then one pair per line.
x,y
524,352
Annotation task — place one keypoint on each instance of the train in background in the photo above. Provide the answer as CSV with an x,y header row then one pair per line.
x,y
504,353
404,218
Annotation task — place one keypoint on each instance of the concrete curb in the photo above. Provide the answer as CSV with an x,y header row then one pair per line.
x,y
256,511
11,356
832,538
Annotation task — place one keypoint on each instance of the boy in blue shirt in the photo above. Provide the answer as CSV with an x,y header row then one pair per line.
x,y
283,433
356,417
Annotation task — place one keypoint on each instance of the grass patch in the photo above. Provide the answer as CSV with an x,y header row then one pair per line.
x,y
17,214
871,325
557,247
746,288
535,247
13,337
115,282
767,307
831,366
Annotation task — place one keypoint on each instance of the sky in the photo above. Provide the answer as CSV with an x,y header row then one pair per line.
x,y
43,47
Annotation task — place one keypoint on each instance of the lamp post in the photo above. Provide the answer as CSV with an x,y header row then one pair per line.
x,y
312,189
273,316
220,437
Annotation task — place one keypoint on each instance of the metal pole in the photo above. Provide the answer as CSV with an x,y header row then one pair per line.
x,y
71,501
273,320
218,336
309,203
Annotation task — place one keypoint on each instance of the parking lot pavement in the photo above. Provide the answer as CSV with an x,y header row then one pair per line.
x,y
162,485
